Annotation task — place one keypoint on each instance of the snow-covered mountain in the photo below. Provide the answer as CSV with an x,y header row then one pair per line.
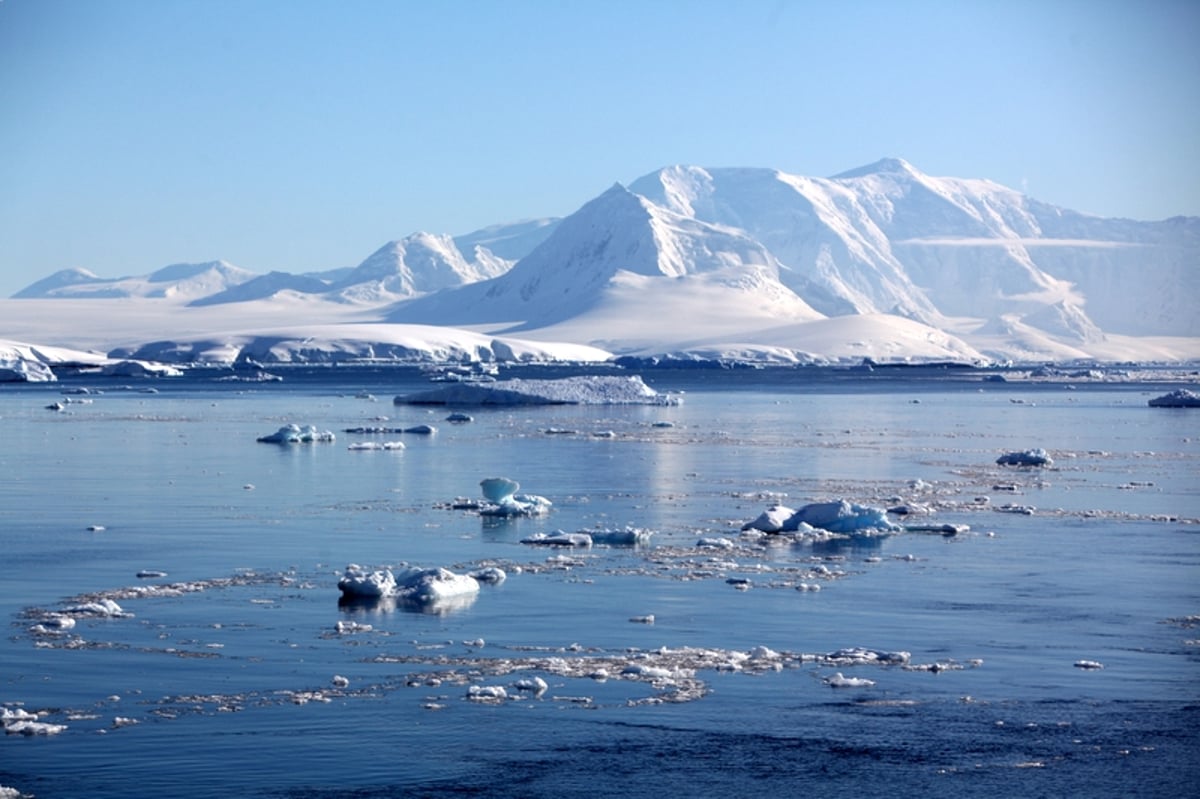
x,y
887,238
418,264
882,261
178,282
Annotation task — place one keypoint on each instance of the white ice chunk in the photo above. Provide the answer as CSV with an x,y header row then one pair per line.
x,y
1029,457
100,607
772,520
559,539
295,434
487,693
630,536
839,681
357,582
493,575
841,517
498,489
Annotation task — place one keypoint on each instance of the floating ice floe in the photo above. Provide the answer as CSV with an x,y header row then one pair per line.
x,y
772,520
503,500
1088,664
840,517
295,434
1180,398
416,586
21,722
582,390
1029,457
103,608
627,537
840,681
559,539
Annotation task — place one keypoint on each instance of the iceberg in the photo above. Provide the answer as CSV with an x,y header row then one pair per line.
x,y
630,536
1180,398
559,539
1029,457
295,434
772,520
500,492
841,517
582,390
415,586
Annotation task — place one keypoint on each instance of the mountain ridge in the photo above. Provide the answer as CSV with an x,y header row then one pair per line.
x,y
781,249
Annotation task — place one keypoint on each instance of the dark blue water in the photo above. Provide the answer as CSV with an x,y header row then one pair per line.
x,y
215,688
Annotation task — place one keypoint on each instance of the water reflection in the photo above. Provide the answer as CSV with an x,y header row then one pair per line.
x,y
361,607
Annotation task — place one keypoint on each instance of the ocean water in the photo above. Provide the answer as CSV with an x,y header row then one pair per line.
x,y
227,688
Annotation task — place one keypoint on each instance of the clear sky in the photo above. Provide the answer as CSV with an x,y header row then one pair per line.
x,y
303,135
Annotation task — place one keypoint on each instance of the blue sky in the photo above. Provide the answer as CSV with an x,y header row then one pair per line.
x,y
302,135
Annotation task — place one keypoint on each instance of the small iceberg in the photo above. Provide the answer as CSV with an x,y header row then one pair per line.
x,y
500,492
1029,457
414,586
581,390
772,520
559,539
627,537
841,517
295,434
1180,398
840,681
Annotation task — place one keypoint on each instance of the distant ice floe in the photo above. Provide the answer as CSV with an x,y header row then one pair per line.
x,y
841,516
1029,457
17,721
295,434
500,493
1180,398
583,390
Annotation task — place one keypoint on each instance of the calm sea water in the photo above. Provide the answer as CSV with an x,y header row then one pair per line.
x,y
228,689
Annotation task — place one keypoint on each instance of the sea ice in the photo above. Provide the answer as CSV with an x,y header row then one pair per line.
x,y
1029,457
101,607
295,434
22,722
582,390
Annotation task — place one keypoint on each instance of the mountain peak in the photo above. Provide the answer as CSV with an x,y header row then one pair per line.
x,y
884,166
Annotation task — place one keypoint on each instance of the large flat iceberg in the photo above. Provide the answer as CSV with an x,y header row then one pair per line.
x,y
583,390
